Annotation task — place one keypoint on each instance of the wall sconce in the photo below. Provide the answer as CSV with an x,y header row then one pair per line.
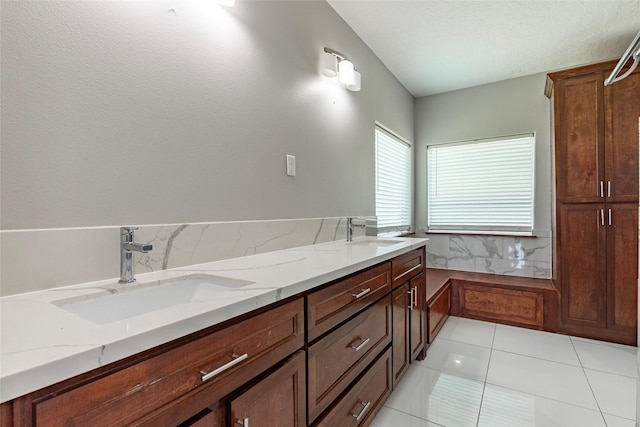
x,y
334,63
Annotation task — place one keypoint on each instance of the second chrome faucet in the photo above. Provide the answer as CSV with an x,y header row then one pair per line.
x,y
127,248
350,226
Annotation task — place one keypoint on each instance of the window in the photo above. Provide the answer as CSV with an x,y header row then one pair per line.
x,y
393,182
482,186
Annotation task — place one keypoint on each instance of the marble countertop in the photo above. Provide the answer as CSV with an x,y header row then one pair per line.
x,y
42,344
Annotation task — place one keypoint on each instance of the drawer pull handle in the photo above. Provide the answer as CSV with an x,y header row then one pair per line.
x,y
362,344
361,294
362,412
236,359
243,423
410,271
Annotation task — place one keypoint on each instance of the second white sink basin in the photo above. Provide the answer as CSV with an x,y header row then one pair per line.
x,y
140,298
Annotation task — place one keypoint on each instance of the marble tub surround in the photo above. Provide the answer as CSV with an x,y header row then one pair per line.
x,y
34,260
43,344
508,255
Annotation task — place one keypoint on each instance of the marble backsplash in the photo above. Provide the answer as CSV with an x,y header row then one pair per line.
x,y
508,255
33,260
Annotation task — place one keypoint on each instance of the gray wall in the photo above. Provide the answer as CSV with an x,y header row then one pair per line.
x,y
504,108
138,112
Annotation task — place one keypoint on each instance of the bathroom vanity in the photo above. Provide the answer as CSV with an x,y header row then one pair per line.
x,y
325,347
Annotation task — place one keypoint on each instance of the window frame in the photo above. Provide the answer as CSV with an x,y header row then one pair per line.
x,y
503,230
379,128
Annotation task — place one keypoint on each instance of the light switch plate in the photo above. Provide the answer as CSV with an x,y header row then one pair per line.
x,y
291,165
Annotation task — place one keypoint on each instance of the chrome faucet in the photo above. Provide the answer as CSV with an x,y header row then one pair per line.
x,y
350,226
127,248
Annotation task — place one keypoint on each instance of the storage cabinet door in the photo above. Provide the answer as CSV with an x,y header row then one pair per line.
x,y
276,401
622,267
579,123
418,323
622,102
400,303
583,265
438,312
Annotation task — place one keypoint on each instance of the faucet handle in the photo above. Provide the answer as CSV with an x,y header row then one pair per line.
x,y
127,230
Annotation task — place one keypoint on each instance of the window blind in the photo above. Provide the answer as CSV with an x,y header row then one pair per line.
x,y
393,185
483,186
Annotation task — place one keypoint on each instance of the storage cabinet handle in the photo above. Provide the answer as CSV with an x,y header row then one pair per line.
x,y
601,188
243,423
602,216
608,188
362,412
413,299
362,293
236,359
362,344
609,216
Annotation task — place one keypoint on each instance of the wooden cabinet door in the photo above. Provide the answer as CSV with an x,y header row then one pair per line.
x,y
583,265
579,125
400,303
622,267
279,400
418,321
622,103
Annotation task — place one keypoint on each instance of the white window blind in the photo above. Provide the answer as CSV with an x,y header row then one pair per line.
x,y
483,186
393,182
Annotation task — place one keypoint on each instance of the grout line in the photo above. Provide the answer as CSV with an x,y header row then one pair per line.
x,y
537,358
486,374
588,382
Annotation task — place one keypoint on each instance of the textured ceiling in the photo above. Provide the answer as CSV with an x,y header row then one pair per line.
x,y
444,45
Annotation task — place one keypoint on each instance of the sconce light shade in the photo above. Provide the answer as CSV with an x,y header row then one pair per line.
x,y
346,72
357,80
328,64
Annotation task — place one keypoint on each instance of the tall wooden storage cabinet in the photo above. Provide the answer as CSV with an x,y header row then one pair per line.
x,y
596,201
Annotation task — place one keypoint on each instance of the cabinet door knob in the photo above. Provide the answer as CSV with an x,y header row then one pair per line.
x,y
362,293
236,359
362,411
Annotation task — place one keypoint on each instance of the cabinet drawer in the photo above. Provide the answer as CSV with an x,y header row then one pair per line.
x,y
128,394
438,311
332,305
406,266
360,405
337,359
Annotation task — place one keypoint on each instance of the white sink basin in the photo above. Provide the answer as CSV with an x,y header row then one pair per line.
x,y
375,242
128,301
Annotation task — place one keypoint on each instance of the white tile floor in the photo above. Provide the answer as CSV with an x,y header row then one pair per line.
x,y
485,375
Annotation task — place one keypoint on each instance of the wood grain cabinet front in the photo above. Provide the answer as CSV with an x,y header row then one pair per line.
x,y
275,401
404,267
362,402
219,362
328,307
337,359
596,169
438,312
